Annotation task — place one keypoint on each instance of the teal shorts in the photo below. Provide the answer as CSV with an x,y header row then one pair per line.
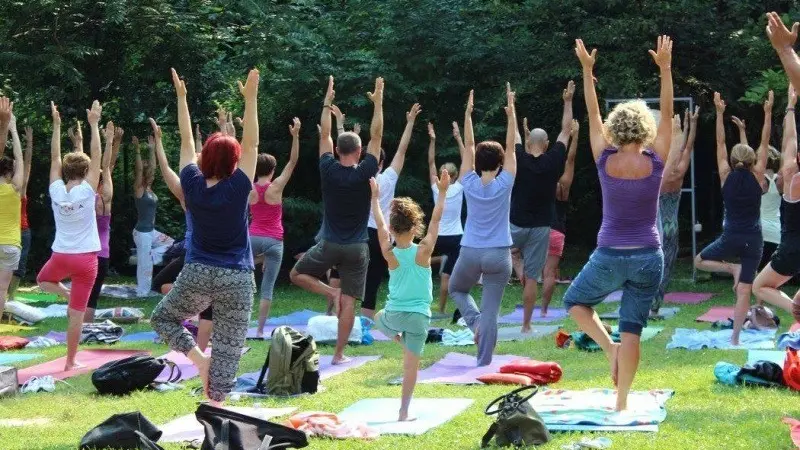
x,y
413,327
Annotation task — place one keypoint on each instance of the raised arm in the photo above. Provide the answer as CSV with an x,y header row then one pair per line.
x,y
325,139
427,244
384,239
118,134
688,148
339,116
5,122
281,182
432,154
151,168
597,139
783,42
18,179
742,130
75,134
399,158
376,128
107,189
723,166
766,131
461,149
198,138
662,56
138,175
28,157
188,155
569,167
789,151
468,155
172,180
55,145
677,145
566,117
510,159
95,147
249,90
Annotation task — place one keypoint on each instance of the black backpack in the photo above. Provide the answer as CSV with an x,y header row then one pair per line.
x,y
293,364
228,430
131,374
517,422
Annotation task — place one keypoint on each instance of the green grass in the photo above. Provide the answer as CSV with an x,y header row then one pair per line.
x,y
701,415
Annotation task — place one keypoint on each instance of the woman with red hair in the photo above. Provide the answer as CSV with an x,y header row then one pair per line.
x,y
218,270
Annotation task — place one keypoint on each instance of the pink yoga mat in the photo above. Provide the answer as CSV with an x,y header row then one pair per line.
x,y
687,298
92,359
717,313
188,369
458,368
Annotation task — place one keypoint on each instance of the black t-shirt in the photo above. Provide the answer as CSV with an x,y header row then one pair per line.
x,y
346,198
534,194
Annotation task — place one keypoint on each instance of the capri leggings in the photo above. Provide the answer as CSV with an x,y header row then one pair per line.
x,y
80,268
169,274
272,249
102,271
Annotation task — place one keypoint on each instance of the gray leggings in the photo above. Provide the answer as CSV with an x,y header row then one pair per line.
x,y
495,266
230,293
272,249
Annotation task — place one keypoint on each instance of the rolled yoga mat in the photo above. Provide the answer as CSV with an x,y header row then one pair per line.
x,y
458,368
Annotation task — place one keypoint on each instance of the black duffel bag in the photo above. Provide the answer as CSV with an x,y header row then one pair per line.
x,y
126,375
123,431
225,429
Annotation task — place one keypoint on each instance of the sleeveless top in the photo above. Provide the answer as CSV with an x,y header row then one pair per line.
x,y
23,221
790,214
104,232
770,212
741,195
410,285
267,219
630,207
146,212
10,212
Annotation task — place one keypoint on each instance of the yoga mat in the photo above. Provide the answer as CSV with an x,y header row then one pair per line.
x,y
381,413
716,313
10,358
188,369
142,336
294,318
92,359
58,336
35,297
508,334
604,428
663,314
187,428
776,356
458,368
687,298
6,328
268,329
650,332
247,381
693,339
515,317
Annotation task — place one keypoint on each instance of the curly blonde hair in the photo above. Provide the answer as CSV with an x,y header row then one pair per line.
x,y
630,123
406,215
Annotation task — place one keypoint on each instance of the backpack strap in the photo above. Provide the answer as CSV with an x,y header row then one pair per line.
x,y
489,435
174,372
260,382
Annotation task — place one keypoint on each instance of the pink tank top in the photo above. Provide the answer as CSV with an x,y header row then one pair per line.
x,y
104,231
267,219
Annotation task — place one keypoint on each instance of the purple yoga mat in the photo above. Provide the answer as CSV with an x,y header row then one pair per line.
x,y
251,332
188,369
515,317
458,368
58,336
687,298
327,370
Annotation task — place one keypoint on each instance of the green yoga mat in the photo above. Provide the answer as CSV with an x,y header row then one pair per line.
x,y
35,297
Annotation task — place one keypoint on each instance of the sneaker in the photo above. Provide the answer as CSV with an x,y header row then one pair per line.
x,y
37,384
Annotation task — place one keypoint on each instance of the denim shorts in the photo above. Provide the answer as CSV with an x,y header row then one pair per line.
x,y
636,271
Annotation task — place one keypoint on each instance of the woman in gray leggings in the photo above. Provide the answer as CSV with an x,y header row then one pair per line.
x,y
266,228
486,244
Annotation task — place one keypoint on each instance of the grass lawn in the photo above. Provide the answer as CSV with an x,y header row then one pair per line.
x,y
701,415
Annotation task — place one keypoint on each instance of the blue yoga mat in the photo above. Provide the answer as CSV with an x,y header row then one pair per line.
x,y
776,356
11,358
143,336
381,413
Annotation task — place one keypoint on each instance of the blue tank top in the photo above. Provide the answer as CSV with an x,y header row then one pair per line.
x,y
741,195
410,285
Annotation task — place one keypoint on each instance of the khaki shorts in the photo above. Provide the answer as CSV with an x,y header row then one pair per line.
x,y
9,257
351,261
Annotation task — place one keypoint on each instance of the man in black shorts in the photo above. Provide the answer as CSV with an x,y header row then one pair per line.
x,y
346,199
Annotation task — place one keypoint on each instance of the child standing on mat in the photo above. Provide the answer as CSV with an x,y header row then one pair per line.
x,y
408,309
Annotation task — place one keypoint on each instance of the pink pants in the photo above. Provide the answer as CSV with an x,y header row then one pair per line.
x,y
80,268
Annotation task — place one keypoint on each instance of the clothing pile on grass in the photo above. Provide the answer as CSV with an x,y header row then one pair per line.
x,y
762,373
581,341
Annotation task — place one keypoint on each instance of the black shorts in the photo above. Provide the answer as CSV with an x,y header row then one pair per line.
x,y
786,259
741,247
449,246
207,313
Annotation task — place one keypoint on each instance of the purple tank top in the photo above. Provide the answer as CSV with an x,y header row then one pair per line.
x,y
630,207
104,230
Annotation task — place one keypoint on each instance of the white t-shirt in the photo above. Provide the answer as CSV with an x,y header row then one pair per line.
x,y
451,216
771,212
387,181
76,223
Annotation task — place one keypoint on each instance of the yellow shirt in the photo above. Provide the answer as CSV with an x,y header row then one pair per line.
x,y
10,212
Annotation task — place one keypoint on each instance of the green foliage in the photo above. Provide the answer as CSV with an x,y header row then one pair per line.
x,y
432,52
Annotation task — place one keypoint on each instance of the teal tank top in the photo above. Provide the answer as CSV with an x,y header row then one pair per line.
x,y
410,285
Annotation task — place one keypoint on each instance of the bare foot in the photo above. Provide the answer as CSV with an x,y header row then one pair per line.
x,y
203,369
735,340
621,406
613,359
544,313
74,365
405,418
260,334
334,301
337,360
526,329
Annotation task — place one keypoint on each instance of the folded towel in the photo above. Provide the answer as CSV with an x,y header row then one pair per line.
x,y
452,338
